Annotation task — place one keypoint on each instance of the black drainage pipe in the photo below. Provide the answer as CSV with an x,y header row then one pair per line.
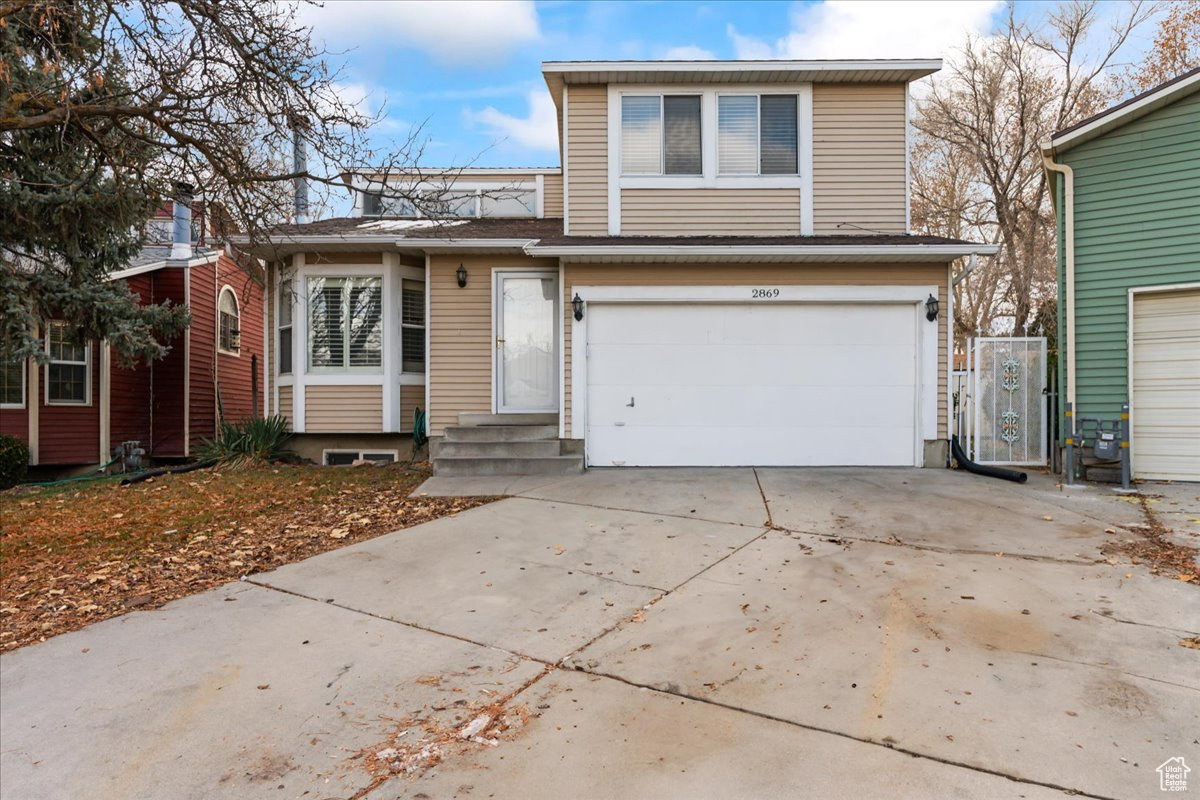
x,y
980,469
154,473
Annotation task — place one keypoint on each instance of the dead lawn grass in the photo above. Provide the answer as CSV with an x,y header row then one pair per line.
x,y
78,553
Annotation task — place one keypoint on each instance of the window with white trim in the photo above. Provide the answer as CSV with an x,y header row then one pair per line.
x,y
757,134
660,134
456,200
412,326
229,338
68,373
284,348
12,381
345,324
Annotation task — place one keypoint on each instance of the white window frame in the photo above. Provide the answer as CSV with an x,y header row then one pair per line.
x,y
710,179
758,96
24,364
280,303
86,363
467,186
395,454
407,326
662,133
237,317
347,369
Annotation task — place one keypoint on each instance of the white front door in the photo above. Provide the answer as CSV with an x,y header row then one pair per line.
x,y
676,384
526,306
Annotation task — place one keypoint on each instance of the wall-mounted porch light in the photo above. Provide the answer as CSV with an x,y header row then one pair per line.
x,y
461,274
577,307
931,308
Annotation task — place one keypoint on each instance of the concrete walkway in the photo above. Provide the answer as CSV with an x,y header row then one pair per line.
x,y
652,633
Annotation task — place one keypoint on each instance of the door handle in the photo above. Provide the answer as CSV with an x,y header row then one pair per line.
x,y
499,342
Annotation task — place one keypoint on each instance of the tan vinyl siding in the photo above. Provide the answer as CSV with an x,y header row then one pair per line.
x,y
343,409
705,212
587,149
552,196
411,398
755,274
460,334
285,404
858,158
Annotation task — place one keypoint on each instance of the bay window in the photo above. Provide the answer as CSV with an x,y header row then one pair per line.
x,y
660,135
345,324
757,134
284,348
67,374
412,326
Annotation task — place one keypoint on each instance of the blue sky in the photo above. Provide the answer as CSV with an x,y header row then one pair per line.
x,y
470,71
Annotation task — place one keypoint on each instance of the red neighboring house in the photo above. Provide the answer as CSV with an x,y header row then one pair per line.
x,y
81,405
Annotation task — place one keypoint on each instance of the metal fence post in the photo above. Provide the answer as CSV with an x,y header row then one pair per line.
x,y
1126,466
1070,439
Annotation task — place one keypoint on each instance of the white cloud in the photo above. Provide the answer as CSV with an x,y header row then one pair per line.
x,y
872,29
452,32
537,131
689,52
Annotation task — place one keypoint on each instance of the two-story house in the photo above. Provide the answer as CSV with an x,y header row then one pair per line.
x,y
721,273
80,405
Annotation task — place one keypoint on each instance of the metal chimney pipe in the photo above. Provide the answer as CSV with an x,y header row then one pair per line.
x,y
181,212
300,165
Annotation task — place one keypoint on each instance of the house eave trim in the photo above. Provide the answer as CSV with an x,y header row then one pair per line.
x,y
1150,102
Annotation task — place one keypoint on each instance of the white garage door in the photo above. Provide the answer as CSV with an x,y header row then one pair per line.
x,y
1165,408
674,384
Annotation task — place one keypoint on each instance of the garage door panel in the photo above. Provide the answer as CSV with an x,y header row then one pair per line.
x,y
743,365
776,407
739,447
1165,402
679,323
742,384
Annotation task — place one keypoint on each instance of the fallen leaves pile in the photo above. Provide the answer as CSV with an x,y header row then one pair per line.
x,y
79,553
1154,547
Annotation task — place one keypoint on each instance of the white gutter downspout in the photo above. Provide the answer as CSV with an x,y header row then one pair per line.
x,y
1069,266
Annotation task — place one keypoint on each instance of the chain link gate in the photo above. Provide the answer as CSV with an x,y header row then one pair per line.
x,y
1009,418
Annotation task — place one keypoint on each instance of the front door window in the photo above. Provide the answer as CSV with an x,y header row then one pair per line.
x,y
526,342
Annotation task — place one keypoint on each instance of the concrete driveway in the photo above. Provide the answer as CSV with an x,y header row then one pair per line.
x,y
651,633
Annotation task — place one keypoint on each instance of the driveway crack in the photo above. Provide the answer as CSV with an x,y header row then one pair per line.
x,y
834,732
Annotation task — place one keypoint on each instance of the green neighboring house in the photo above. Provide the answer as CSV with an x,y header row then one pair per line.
x,y
1126,189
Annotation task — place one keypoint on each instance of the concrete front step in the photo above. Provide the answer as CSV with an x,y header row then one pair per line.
x,y
507,449
466,466
477,419
501,433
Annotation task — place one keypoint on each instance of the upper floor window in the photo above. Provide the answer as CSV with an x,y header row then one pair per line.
x,y
12,381
230,335
67,374
660,135
345,324
463,200
757,134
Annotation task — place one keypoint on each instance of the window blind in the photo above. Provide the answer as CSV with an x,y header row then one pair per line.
x,y
641,135
737,134
366,317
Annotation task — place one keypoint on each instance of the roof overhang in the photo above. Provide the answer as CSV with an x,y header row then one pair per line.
x,y
142,269
276,249
559,73
1122,114
738,254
